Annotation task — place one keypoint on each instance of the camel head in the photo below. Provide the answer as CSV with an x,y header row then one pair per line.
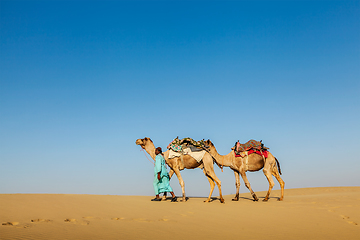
x,y
210,146
208,143
142,142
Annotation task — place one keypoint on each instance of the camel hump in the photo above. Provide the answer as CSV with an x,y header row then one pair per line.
x,y
251,144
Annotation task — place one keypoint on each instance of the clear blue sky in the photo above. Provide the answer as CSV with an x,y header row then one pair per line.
x,y
81,81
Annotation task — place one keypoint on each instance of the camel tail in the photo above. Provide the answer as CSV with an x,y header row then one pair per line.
x,y
278,164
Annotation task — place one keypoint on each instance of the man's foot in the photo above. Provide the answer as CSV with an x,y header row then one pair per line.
x,y
174,199
156,199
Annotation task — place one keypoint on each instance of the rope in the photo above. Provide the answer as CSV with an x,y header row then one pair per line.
x,y
262,154
182,160
246,160
147,156
222,163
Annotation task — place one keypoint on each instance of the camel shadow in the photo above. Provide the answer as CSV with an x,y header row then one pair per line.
x,y
212,199
195,197
179,198
246,198
260,199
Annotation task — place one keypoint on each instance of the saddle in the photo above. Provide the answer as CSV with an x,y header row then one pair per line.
x,y
251,145
177,145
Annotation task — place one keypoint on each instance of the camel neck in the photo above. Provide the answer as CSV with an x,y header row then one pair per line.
x,y
222,160
150,149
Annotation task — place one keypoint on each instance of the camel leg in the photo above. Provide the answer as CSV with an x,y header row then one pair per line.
x,y
171,172
247,184
209,170
212,186
276,174
182,184
237,184
267,173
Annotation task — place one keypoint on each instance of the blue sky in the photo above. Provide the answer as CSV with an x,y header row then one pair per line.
x,y
81,81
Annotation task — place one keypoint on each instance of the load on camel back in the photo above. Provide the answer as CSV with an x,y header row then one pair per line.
x,y
187,146
251,146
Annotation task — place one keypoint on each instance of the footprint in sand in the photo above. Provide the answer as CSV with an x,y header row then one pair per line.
x,y
16,224
347,218
118,218
70,220
40,220
10,223
73,220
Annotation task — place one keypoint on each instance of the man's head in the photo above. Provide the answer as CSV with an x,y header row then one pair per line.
x,y
158,150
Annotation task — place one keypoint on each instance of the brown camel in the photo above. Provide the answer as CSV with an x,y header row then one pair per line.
x,y
253,162
177,164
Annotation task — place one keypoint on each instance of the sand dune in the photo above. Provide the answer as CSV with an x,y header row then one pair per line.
x,y
309,213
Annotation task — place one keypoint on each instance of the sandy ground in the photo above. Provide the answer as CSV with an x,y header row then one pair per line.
x,y
308,213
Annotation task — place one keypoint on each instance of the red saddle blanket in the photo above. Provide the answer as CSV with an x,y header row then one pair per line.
x,y
263,153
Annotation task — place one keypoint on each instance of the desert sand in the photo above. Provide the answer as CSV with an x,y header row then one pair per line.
x,y
308,213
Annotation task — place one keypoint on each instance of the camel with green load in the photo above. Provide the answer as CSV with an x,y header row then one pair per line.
x,y
178,164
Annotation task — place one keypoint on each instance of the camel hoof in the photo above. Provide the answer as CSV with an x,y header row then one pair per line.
x,y
222,200
280,199
255,197
265,200
207,200
236,198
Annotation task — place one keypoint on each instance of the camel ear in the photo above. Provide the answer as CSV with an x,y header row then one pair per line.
x,y
148,139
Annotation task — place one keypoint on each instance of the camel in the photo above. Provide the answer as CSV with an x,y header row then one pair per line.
x,y
186,162
254,162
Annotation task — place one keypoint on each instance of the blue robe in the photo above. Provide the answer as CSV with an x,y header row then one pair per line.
x,y
162,185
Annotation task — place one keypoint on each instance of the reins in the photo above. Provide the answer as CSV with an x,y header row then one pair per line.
x,y
146,156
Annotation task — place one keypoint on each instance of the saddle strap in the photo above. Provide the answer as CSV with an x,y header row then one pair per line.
x,y
246,160
182,160
262,154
